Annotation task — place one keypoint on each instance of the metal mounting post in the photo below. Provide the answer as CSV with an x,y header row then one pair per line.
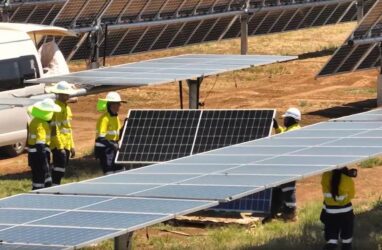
x,y
194,87
123,242
360,10
379,81
181,94
244,33
94,39
5,11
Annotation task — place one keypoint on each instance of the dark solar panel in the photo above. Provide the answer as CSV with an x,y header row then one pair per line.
x,y
156,136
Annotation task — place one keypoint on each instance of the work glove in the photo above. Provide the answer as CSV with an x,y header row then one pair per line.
x,y
275,124
72,153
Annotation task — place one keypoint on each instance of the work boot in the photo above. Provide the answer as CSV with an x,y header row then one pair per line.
x,y
268,219
290,216
329,246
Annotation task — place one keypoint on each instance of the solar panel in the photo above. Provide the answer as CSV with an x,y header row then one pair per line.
x,y
30,221
160,135
360,50
164,70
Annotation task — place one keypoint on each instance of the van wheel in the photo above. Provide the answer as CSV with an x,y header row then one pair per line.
x,y
15,149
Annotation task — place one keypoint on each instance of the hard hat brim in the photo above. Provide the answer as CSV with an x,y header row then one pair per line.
x,y
54,108
54,90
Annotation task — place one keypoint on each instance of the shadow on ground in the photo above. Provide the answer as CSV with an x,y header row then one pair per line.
x,y
346,109
367,234
325,52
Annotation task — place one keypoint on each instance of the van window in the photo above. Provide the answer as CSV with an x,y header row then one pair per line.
x,y
14,71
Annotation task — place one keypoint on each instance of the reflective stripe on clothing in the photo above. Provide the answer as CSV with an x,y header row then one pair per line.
x,y
32,136
112,132
338,210
287,189
333,241
31,150
98,144
338,198
39,132
62,128
58,169
290,204
347,241
65,131
38,185
108,126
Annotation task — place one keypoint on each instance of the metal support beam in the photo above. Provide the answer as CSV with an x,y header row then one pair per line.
x,y
123,242
360,10
244,34
379,81
95,38
181,94
5,12
193,92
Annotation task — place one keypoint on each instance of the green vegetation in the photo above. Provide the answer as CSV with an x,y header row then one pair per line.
x,y
370,163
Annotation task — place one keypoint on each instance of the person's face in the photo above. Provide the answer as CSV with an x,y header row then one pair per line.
x,y
289,121
63,98
115,106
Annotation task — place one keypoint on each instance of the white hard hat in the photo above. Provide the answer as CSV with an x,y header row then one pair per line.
x,y
47,105
62,87
294,113
113,97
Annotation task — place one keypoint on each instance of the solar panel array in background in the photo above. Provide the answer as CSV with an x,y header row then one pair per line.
x,y
288,15
162,135
352,57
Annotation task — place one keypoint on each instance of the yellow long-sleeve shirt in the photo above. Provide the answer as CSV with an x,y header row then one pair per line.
x,y
281,129
346,190
38,132
62,133
108,127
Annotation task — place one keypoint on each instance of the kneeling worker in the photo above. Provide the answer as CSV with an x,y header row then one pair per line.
x,y
284,196
108,133
337,213
62,144
38,142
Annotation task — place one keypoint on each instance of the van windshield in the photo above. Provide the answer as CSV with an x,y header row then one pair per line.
x,y
14,71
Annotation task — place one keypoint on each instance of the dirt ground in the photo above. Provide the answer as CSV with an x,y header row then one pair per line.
x,y
276,86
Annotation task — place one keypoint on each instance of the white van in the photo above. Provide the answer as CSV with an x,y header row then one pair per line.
x,y
19,61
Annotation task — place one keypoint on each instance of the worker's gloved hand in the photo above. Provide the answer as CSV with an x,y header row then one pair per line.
x,y
115,146
275,124
72,153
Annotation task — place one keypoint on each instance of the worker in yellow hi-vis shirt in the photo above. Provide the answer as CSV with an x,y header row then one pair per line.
x,y
284,196
62,144
108,133
337,213
39,134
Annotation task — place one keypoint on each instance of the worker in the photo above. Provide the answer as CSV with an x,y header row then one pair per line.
x,y
38,142
108,133
62,144
284,196
337,214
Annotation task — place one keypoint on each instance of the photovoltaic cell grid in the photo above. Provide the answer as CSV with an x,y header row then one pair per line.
x,y
237,171
151,136
165,70
30,221
361,49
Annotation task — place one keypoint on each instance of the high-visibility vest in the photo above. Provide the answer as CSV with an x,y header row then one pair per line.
x,y
38,132
281,129
346,190
108,127
62,134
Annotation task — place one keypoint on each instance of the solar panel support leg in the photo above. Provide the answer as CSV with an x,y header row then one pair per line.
x,y
379,81
193,92
360,10
244,34
123,242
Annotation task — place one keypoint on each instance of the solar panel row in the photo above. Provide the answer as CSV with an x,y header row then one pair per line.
x,y
237,171
174,34
361,50
31,221
47,221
